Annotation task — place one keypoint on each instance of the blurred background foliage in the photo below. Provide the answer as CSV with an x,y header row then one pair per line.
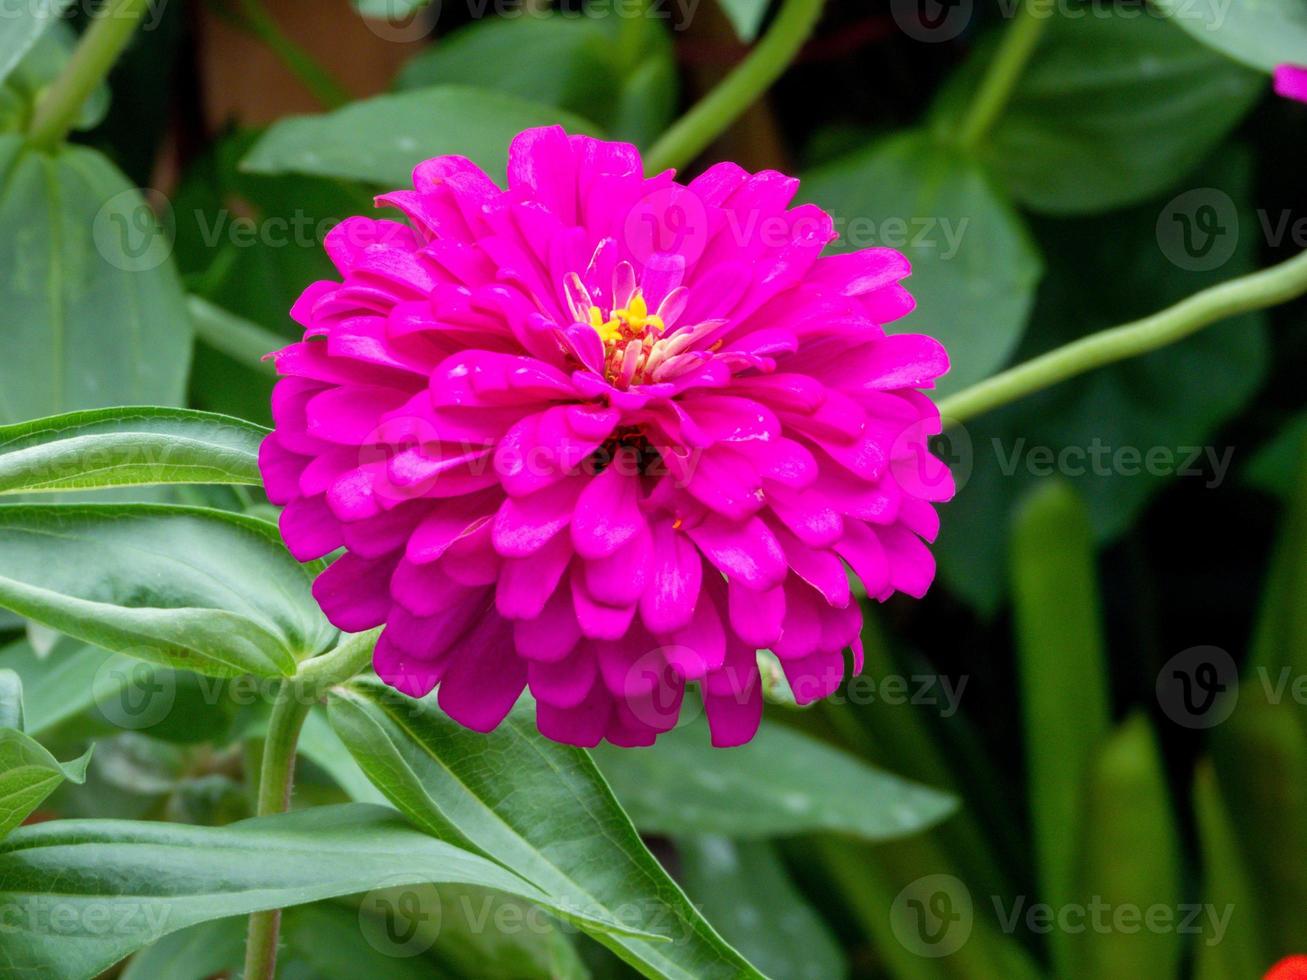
x,y
1062,599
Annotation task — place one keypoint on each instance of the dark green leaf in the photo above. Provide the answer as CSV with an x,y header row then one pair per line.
x,y
1118,433
744,890
1226,884
1128,814
1274,467
974,267
539,808
119,447
782,783
94,314
381,140
151,879
1114,107
1260,757
202,589
28,774
1064,677
1259,33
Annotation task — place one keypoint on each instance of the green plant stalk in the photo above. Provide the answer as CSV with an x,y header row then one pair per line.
x,y
1256,291
316,78
95,54
692,133
234,336
996,88
277,775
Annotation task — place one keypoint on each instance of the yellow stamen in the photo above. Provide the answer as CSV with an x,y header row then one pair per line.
x,y
627,322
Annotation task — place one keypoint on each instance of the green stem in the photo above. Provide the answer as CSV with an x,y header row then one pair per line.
x,y
316,78
236,337
95,54
692,133
1000,80
275,781
1269,287
277,774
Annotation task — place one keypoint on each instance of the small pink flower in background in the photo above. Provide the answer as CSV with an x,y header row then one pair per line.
x,y
1291,82
603,435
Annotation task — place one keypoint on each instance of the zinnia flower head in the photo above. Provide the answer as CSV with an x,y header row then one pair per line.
x,y
602,436
1291,82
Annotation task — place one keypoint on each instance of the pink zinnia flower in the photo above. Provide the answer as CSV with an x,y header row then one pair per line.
x,y
1291,82
601,435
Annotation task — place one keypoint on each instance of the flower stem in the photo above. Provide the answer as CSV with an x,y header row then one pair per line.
x,y
95,54
692,133
315,78
275,780
1258,290
277,773
1014,51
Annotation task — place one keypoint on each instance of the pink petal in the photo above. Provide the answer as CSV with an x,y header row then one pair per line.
x,y
675,573
608,509
484,678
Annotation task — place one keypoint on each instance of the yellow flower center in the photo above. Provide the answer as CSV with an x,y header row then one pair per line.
x,y
629,322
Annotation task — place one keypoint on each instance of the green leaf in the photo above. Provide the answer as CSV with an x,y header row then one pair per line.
x,y
1128,813
1118,434
28,774
206,590
618,71
974,266
381,140
1226,884
151,879
11,700
746,16
782,783
1259,33
557,60
1274,466
1279,641
94,313
319,743
66,682
1064,675
537,807
744,890
248,244
120,447
1113,108
42,63
197,953
1260,757
25,25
